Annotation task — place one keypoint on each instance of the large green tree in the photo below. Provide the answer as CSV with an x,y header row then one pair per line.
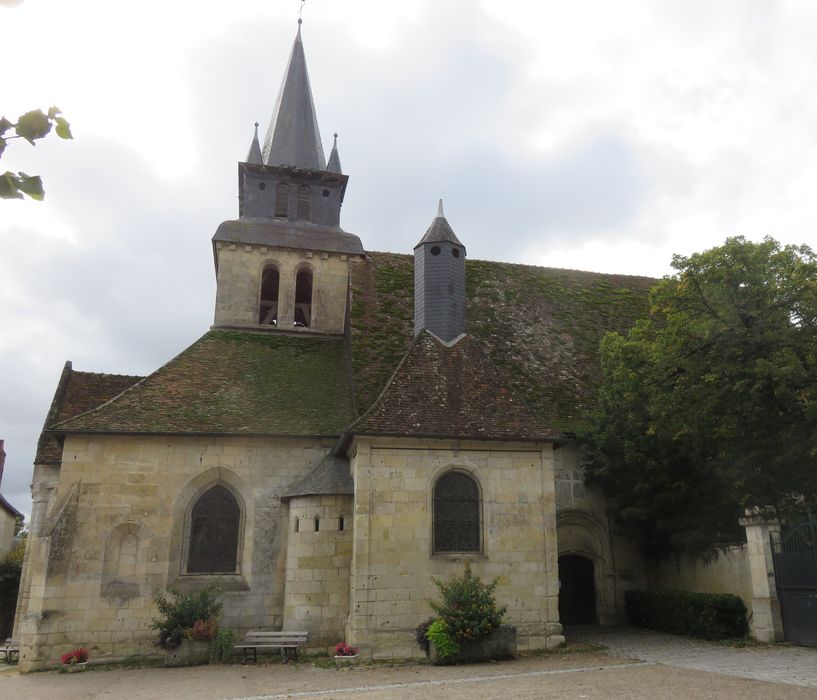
x,y
711,404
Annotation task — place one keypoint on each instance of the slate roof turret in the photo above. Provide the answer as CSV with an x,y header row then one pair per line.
x,y
331,477
254,155
440,230
333,166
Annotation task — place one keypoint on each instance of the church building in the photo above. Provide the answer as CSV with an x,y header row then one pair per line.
x,y
353,425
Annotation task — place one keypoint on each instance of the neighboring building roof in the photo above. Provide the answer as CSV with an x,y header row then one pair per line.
x,y
331,476
235,383
451,390
542,326
10,509
293,137
76,393
279,232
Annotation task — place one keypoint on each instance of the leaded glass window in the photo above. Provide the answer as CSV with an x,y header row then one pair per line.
x,y
214,526
456,513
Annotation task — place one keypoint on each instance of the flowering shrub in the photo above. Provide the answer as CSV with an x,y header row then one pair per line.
x,y
78,656
343,649
185,615
203,630
467,612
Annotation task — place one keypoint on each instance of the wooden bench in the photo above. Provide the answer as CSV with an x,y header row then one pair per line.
x,y
10,649
287,642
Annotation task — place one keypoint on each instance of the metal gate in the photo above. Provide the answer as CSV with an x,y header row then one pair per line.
x,y
795,565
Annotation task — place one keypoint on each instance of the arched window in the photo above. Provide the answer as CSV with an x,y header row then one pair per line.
x,y
281,201
457,506
304,197
214,526
303,299
268,307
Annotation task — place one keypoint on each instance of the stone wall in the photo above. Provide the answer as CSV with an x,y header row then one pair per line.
x,y
117,531
238,280
319,552
393,565
727,572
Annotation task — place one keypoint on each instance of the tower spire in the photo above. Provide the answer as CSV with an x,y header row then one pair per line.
x,y
293,138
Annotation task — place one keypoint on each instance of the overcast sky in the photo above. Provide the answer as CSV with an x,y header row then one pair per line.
x,y
586,134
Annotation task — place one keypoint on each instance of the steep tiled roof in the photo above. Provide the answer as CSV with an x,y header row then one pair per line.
x,y
542,326
450,391
238,383
76,393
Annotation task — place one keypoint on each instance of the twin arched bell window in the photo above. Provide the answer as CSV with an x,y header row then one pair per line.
x,y
215,524
457,510
302,203
270,288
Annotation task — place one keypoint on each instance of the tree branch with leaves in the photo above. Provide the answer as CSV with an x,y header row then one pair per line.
x,y
31,126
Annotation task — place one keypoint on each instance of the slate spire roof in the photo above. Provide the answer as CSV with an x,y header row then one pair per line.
x,y
333,166
293,138
440,230
254,156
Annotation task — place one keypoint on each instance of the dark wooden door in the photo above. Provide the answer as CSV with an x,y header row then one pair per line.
x,y
577,591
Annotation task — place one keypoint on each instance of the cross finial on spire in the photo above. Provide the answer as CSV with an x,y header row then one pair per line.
x,y
301,11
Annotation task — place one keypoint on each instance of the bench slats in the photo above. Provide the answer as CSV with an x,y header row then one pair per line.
x,y
288,642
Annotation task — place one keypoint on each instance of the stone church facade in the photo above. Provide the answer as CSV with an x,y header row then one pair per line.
x,y
353,425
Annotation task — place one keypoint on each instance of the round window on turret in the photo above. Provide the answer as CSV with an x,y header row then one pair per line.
x,y
435,250
262,186
455,252
325,193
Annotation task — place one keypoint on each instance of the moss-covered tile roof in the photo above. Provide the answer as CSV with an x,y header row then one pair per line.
x,y
76,393
541,326
236,383
443,390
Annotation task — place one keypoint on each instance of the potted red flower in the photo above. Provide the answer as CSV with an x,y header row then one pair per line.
x,y
74,661
345,654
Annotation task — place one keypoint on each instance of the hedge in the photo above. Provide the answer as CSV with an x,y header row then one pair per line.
x,y
702,615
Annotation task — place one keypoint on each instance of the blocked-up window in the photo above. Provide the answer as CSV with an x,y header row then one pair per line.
x,y
304,198
282,201
456,512
214,528
268,306
303,299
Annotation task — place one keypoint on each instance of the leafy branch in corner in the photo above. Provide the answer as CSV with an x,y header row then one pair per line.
x,y
30,126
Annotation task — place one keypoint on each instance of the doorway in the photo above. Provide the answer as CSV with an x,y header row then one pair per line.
x,y
577,590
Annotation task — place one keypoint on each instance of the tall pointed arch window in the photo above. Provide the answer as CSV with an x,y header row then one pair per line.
x,y
214,528
303,298
304,199
281,201
268,305
456,514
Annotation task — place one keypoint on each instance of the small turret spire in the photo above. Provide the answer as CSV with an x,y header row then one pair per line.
x,y
254,156
440,212
333,166
293,137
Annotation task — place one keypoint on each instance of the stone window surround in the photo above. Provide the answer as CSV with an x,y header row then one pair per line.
x,y
178,577
287,290
480,480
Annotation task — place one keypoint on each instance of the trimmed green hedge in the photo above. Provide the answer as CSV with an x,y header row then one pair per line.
x,y
702,615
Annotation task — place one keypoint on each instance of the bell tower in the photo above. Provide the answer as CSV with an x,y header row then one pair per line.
x,y
283,264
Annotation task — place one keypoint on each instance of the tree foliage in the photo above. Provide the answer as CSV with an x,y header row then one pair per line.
x,y
31,126
711,404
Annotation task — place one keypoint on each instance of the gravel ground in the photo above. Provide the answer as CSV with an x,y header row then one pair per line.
x,y
568,675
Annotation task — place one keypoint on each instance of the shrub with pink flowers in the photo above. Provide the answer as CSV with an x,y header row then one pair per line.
x,y
344,649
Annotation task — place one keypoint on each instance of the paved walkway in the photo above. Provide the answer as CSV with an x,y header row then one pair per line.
x,y
777,664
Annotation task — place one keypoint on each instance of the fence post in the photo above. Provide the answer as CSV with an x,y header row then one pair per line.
x,y
766,623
